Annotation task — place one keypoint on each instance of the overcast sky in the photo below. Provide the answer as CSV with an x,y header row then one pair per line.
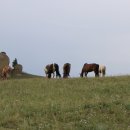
x,y
40,32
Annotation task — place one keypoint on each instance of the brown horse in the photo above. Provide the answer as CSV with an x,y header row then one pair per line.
x,y
49,69
52,68
89,68
5,71
66,70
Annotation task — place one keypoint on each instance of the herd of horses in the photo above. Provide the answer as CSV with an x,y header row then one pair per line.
x,y
99,70
52,68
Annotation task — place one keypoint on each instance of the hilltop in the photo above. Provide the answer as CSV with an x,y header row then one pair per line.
x,y
35,103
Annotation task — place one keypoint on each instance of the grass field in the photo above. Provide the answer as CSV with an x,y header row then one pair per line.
x,y
69,104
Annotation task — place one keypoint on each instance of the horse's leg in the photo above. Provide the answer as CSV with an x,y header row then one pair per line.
x,y
4,76
96,73
49,75
46,75
53,74
103,74
58,74
86,74
64,75
100,74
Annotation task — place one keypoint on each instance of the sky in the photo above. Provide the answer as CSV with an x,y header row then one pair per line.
x,y
41,32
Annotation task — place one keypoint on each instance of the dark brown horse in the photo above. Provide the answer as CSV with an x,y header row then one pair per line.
x,y
66,70
52,68
89,68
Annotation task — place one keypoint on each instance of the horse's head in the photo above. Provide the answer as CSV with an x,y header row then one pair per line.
x,y
81,75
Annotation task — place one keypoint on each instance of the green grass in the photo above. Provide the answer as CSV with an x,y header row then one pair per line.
x,y
65,104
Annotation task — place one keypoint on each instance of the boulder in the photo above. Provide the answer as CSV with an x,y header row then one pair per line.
x,y
4,60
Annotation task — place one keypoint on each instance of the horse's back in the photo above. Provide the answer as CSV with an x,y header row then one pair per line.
x,y
67,67
102,67
91,67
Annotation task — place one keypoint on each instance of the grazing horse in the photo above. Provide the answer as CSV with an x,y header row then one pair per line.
x,y
89,68
49,68
102,70
5,71
52,68
66,70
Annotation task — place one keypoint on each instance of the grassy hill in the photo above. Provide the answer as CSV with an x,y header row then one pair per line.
x,y
37,103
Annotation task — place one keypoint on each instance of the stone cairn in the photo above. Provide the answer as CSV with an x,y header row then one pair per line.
x,y
17,68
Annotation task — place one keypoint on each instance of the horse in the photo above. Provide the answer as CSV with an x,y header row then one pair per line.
x,y
52,68
49,68
5,71
102,70
66,70
89,68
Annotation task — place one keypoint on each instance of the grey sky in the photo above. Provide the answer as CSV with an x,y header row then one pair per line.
x,y
39,32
